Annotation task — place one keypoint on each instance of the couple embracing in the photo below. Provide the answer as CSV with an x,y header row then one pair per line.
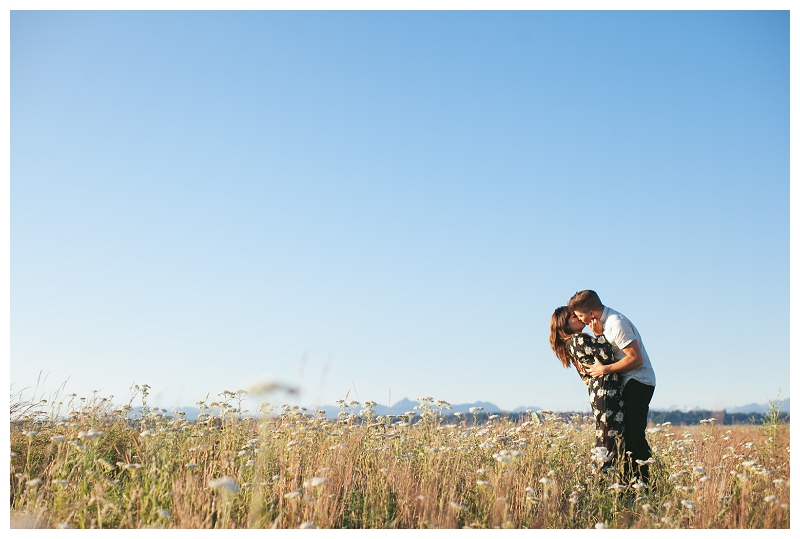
x,y
614,365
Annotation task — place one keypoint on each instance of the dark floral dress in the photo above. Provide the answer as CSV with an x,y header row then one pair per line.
x,y
605,392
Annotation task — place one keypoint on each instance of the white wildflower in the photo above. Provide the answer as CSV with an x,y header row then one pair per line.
x,y
600,454
318,481
225,482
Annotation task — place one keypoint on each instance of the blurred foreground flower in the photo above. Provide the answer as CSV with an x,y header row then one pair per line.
x,y
225,482
265,387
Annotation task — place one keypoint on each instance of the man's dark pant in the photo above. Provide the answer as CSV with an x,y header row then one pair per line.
x,y
637,404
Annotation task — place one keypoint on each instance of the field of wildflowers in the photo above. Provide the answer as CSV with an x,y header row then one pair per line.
x,y
86,463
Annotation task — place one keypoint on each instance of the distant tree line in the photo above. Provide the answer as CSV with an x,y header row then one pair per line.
x,y
722,417
655,417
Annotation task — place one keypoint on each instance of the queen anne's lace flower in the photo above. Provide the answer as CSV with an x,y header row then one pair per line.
x,y
600,454
225,482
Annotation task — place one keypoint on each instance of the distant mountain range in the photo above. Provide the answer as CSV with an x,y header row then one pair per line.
x,y
755,408
752,408
406,405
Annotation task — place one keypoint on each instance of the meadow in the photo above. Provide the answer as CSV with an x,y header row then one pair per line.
x,y
86,463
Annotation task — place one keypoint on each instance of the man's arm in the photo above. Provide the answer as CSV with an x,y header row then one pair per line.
x,y
632,359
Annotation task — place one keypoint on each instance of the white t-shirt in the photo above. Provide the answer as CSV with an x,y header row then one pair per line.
x,y
620,333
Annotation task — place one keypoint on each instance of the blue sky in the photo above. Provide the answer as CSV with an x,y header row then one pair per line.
x,y
200,199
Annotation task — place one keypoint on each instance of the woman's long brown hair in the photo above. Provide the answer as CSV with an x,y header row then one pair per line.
x,y
560,334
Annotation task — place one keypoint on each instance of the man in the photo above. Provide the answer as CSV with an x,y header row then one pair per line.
x,y
632,363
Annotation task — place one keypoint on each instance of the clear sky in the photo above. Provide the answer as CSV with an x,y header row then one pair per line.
x,y
201,199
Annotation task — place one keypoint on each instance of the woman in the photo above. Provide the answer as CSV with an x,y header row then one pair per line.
x,y
573,347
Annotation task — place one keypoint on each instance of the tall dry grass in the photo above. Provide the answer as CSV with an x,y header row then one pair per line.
x,y
88,465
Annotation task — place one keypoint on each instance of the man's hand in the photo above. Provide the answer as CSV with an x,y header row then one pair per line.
x,y
632,359
596,369
596,326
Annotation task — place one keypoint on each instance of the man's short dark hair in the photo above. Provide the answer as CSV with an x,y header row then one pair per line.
x,y
585,301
